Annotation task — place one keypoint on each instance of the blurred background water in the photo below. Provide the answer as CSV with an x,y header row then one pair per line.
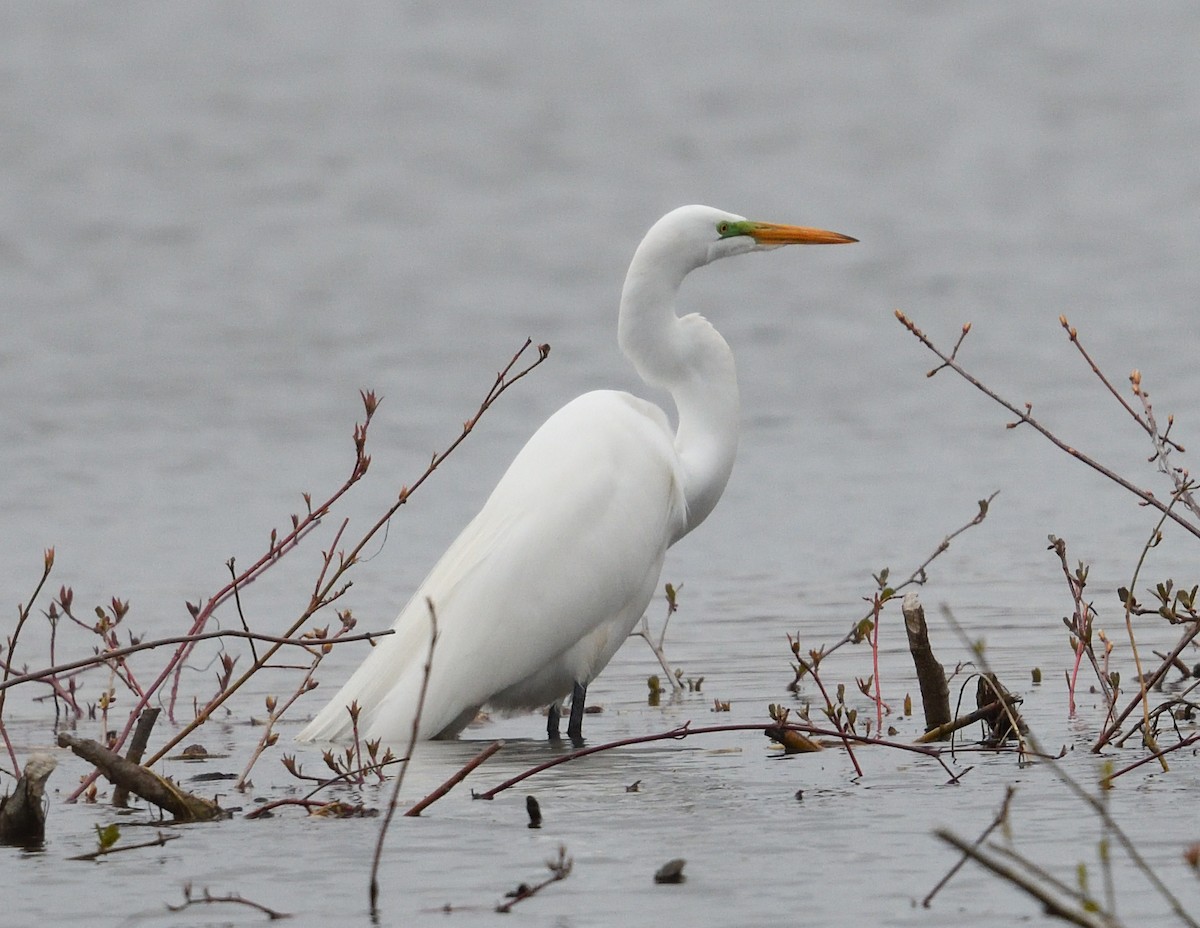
x,y
219,221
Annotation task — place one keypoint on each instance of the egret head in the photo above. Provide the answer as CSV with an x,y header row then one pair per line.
x,y
700,235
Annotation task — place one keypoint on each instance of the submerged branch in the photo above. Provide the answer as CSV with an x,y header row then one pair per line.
x,y
159,791
686,731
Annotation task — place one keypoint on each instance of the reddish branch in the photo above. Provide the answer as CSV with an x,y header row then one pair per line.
x,y
458,777
685,731
327,586
330,584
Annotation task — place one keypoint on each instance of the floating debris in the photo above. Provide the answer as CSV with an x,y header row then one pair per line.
x,y
671,871
143,782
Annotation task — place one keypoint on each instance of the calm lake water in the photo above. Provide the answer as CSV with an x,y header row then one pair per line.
x,y
218,222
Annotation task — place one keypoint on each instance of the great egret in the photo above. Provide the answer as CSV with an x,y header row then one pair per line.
x,y
545,584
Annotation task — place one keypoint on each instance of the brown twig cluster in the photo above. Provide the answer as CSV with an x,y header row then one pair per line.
x,y
1172,602
127,679
163,682
844,717
1175,603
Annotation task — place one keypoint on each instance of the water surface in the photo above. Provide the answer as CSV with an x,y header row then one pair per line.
x,y
219,222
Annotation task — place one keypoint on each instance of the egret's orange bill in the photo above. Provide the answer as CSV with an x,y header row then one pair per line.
x,y
767,233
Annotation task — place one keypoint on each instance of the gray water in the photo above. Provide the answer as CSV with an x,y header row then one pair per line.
x,y
218,222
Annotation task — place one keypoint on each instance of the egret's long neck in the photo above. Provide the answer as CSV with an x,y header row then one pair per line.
x,y
689,358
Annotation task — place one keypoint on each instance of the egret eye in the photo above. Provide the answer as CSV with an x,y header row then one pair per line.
x,y
724,227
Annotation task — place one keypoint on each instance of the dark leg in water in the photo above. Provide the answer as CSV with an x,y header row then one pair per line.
x,y
575,724
552,722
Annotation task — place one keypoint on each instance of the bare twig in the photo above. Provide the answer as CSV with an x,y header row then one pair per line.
x,y
458,777
1163,447
917,578
105,851
237,601
643,632
23,612
329,589
1163,444
1098,807
232,898
137,747
1051,902
105,656
1073,335
1000,819
185,806
559,868
686,731
416,730
1024,417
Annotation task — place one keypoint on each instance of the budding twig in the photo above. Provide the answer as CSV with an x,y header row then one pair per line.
x,y
1024,417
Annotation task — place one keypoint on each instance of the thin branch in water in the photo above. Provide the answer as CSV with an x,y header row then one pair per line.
x,y
1080,625
559,868
1051,902
416,730
325,594
1144,692
686,731
23,612
643,632
231,898
1000,819
1146,683
1096,804
830,710
458,777
1186,742
917,578
110,849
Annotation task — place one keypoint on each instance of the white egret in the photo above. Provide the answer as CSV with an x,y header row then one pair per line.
x,y
545,584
